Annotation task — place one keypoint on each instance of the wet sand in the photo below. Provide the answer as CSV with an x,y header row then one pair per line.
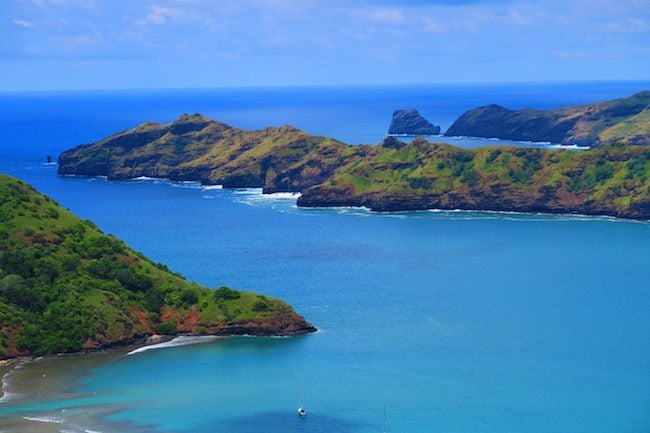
x,y
39,397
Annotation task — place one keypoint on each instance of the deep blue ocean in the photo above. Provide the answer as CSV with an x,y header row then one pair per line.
x,y
456,322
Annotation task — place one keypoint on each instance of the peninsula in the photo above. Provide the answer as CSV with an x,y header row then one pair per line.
x,y
67,287
611,179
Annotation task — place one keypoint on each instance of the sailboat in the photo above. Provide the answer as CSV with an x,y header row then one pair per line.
x,y
301,410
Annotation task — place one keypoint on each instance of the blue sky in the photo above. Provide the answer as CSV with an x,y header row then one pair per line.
x,y
107,44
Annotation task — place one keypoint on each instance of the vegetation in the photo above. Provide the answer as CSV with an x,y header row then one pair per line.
x,y
65,286
605,180
612,180
620,121
200,149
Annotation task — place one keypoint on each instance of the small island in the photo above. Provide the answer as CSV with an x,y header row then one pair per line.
x,y
410,122
67,287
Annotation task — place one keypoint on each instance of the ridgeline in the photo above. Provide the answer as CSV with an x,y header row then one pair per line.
x,y
67,287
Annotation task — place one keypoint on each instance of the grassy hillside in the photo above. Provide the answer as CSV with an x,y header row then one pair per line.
x,y
65,286
421,175
619,121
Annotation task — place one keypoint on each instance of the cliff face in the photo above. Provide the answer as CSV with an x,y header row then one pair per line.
x,y
421,175
620,121
66,287
410,122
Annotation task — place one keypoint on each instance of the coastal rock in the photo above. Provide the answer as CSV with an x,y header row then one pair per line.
x,y
410,122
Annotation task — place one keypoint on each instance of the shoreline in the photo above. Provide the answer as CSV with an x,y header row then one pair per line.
x,y
201,185
6,367
571,215
153,342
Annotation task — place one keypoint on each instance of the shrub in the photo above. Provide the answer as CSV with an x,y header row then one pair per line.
x,y
225,294
260,306
189,297
167,328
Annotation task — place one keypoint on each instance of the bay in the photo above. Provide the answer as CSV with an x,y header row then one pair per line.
x,y
455,321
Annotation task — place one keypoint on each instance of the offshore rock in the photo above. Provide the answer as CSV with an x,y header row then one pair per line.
x,y
410,122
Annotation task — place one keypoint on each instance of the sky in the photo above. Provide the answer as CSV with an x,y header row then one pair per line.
x,y
127,44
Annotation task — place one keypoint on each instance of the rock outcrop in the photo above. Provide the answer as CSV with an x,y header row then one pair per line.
x,y
410,122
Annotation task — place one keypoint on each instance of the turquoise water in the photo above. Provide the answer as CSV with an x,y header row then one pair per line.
x,y
455,321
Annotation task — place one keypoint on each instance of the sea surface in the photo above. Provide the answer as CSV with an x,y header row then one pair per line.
x,y
455,322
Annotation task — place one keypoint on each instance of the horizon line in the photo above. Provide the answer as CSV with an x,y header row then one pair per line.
x,y
305,86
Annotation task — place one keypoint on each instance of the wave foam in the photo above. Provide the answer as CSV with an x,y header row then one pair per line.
x,y
44,419
283,196
208,187
177,342
146,178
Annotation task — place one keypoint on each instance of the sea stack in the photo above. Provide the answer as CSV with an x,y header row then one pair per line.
x,y
410,122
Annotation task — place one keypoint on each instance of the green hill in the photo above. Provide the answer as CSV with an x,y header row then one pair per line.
x,y
65,287
421,175
200,149
619,121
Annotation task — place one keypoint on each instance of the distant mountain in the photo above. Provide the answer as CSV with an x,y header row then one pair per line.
x,y
410,122
620,121
66,287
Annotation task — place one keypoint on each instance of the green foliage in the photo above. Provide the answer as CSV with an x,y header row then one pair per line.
x,y
260,306
15,290
225,293
493,155
189,297
65,286
167,328
116,270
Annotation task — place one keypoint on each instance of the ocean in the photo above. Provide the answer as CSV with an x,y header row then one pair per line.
x,y
452,321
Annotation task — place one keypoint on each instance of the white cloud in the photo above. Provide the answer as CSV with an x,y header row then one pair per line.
x,y
433,26
630,25
383,16
159,15
24,23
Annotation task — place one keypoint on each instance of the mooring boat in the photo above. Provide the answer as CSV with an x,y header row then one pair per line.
x,y
301,410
